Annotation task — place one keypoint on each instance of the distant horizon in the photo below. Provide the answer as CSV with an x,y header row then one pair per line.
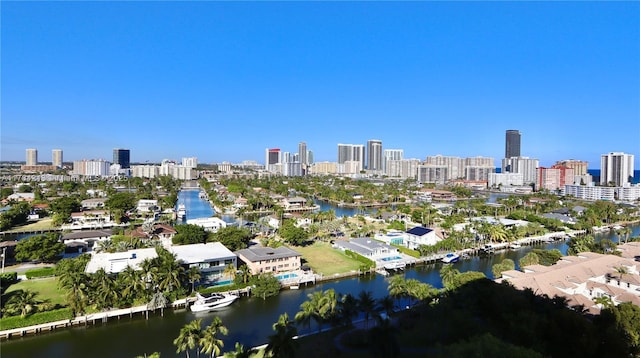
x,y
222,81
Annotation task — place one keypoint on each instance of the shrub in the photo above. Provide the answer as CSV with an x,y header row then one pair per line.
x,y
35,319
367,264
41,272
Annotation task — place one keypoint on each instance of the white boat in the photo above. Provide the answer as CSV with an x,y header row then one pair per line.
x,y
182,212
395,266
451,258
211,302
514,246
294,287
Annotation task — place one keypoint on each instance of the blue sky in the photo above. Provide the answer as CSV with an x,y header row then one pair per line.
x,y
225,80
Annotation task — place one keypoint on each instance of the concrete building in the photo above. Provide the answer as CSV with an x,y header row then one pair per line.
x,y
590,192
504,179
56,158
579,167
145,171
323,168
272,159
374,155
372,249
190,162
351,153
554,178
350,167
628,192
403,168
93,167
420,236
261,259
303,154
32,157
478,172
454,165
523,165
122,157
617,168
429,173
391,154
512,143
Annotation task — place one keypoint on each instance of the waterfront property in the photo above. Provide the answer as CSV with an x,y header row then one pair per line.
x,y
382,254
211,258
89,219
162,232
420,236
261,259
211,224
584,279
86,239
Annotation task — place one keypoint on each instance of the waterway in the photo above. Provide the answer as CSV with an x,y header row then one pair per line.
x,y
249,320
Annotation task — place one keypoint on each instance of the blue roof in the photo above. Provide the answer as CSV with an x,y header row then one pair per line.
x,y
419,231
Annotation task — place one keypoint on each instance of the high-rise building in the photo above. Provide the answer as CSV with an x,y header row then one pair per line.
x,y
121,157
303,154
310,157
56,157
454,165
579,167
191,162
523,165
554,178
512,144
93,167
272,159
351,153
391,154
374,155
32,156
616,167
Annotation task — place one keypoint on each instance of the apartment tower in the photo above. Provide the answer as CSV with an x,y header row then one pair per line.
x,y
512,143
374,155
56,158
616,167
121,157
32,156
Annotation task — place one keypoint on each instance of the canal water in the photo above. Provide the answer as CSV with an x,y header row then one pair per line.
x,y
249,320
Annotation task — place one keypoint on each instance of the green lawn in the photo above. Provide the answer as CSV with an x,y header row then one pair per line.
x,y
47,288
42,224
324,259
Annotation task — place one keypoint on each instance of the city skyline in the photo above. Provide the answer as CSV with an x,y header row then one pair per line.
x,y
224,81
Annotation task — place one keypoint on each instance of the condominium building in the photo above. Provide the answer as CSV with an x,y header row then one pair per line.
x,y
190,162
554,178
579,167
454,165
616,167
351,152
590,192
145,171
322,168
628,192
272,159
56,158
374,155
121,156
93,167
350,167
478,172
496,180
391,154
403,168
32,157
303,155
523,165
429,173
512,143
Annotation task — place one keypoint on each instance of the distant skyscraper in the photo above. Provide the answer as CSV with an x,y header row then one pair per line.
x,y
374,155
32,156
391,154
302,154
190,162
523,165
512,144
351,153
579,166
121,157
56,157
616,167
310,157
272,159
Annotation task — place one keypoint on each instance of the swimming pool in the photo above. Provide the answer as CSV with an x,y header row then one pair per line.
x,y
284,276
391,258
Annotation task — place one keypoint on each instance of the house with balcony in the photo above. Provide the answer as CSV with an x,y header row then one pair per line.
x,y
260,259
90,219
420,236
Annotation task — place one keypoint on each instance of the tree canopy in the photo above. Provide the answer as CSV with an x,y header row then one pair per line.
x,y
45,248
233,238
190,234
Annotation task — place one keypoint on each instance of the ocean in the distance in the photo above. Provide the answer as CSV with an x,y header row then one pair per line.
x,y
595,173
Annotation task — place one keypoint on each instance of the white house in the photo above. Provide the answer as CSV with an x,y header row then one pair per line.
x,y
147,205
211,224
420,236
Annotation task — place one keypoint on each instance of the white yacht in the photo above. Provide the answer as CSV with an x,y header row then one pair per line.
x,y
212,302
182,212
451,258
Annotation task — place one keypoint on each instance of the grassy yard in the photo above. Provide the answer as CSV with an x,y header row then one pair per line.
x,y
47,288
322,258
43,224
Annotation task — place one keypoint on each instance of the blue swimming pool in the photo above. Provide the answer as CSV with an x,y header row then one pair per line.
x,y
284,276
392,258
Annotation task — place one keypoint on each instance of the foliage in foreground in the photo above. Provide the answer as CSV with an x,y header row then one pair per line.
x,y
34,319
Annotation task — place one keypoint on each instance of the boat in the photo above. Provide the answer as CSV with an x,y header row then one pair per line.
x,y
514,246
451,258
212,302
395,266
294,287
182,212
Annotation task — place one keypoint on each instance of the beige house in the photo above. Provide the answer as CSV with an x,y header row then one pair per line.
x,y
261,259
582,279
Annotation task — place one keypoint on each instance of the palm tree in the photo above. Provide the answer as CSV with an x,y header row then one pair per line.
x,y
230,271
131,282
386,304
209,340
193,275
104,289
282,343
306,314
497,233
383,339
23,302
622,271
397,287
448,275
190,335
347,309
158,300
245,273
366,303
240,352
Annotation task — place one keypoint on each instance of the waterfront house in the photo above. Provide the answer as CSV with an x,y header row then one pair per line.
x,y
90,218
210,258
211,224
584,278
391,237
367,247
162,232
147,205
93,203
86,239
294,203
420,236
261,259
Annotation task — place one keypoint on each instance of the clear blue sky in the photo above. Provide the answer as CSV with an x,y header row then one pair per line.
x,y
225,80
